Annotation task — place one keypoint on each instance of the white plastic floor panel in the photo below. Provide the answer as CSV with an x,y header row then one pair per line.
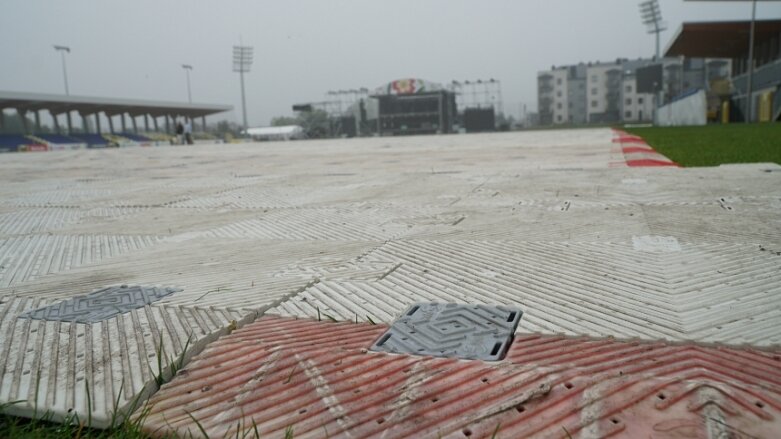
x,y
726,293
552,222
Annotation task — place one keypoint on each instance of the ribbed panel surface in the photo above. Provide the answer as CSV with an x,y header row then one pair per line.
x,y
317,379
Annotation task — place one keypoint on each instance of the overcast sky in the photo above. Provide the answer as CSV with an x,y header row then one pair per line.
x,y
134,49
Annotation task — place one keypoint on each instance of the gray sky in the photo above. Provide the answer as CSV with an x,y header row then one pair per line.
x,y
303,48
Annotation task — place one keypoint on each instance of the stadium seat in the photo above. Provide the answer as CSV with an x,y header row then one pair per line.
x,y
135,137
92,140
58,138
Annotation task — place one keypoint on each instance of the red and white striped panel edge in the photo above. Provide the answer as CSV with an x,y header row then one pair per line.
x,y
637,153
318,380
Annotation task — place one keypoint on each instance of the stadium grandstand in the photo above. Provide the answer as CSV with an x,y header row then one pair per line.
x,y
730,39
139,121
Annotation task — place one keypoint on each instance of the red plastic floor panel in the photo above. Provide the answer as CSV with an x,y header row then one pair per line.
x,y
319,380
636,149
645,163
637,153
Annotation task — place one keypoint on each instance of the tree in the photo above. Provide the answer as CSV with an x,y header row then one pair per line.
x,y
504,122
316,123
281,121
226,127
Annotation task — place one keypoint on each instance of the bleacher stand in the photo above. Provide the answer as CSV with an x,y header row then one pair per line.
x,y
92,140
135,137
57,142
18,142
57,138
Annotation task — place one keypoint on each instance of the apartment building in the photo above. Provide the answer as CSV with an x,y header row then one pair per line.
x,y
606,92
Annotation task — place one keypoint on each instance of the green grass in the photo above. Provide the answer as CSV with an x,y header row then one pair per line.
x,y
14,427
714,145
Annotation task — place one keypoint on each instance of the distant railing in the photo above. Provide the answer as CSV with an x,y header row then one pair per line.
x,y
765,76
685,94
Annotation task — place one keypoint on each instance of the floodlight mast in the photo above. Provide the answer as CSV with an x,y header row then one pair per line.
x,y
242,61
651,14
187,69
62,50
652,17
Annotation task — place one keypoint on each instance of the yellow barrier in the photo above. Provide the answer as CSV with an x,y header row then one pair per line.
x,y
766,107
725,112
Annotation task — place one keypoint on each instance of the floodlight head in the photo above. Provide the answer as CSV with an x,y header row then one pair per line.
x,y
651,14
242,58
62,48
187,66
649,4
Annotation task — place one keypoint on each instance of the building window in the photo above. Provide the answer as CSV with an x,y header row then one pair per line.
x,y
558,105
559,118
558,81
629,89
593,104
640,100
628,115
628,101
593,78
558,93
594,92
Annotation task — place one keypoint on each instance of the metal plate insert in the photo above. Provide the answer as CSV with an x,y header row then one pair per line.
x,y
471,332
101,305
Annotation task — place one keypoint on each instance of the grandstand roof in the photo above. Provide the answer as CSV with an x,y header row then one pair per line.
x,y
88,105
719,39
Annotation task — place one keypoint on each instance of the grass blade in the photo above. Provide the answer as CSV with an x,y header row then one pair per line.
x,y
89,403
289,377
200,427
496,431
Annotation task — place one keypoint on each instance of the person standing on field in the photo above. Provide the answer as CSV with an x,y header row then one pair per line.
x,y
188,131
179,133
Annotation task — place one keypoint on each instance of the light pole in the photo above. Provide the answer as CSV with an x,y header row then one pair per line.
x,y
187,69
749,82
62,50
242,61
